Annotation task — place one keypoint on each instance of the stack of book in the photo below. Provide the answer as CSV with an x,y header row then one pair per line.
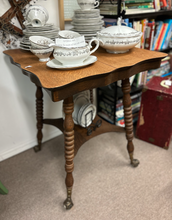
x,y
131,7
163,71
107,111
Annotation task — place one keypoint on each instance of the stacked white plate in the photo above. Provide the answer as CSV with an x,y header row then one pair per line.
x,y
87,22
84,112
48,30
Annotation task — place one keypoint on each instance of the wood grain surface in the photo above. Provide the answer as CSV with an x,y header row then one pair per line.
x,y
107,69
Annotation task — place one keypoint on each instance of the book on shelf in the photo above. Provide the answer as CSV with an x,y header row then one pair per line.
x,y
144,24
158,29
149,34
167,34
160,37
163,4
157,5
139,5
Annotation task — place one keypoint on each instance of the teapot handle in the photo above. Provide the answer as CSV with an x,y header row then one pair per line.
x,y
97,45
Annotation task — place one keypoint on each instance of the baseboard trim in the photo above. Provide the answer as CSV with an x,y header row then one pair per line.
x,y
25,146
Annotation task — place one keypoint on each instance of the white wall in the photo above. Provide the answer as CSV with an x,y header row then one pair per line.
x,y
17,98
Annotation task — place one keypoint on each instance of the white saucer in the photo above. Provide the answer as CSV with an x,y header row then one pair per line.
x,y
56,64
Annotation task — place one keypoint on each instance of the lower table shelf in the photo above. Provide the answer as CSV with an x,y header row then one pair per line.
x,y
81,133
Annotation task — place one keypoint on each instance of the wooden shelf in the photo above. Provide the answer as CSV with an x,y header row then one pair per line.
x,y
161,15
81,133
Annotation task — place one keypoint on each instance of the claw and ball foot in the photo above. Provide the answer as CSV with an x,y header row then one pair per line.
x,y
134,162
37,148
68,204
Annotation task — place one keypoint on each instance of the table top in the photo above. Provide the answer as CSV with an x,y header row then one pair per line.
x,y
108,68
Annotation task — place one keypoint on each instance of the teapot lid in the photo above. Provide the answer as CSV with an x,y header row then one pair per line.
x,y
119,31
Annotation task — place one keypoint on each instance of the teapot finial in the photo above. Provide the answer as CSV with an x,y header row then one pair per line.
x,y
119,21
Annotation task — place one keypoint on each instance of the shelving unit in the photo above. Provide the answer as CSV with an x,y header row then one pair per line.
x,y
158,15
162,14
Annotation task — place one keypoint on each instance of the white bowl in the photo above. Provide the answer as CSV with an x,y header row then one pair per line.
x,y
40,41
42,53
67,34
118,39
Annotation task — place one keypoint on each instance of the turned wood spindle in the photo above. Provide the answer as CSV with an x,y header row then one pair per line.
x,y
39,117
128,118
68,108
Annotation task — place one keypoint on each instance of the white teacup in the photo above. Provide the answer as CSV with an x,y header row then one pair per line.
x,y
75,55
88,4
36,16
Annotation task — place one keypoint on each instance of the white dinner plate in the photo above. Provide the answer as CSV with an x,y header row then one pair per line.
x,y
86,115
57,65
79,101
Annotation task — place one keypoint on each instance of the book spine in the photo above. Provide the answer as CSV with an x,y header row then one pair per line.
x,y
147,37
157,35
163,4
144,23
157,5
152,34
167,34
138,1
160,37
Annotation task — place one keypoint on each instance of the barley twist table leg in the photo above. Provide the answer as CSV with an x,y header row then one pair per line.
x,y
128,120
69,149
39,117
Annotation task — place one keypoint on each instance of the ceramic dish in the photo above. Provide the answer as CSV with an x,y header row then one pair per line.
x,y
79,101
118,39
86,115
88,4
43,54
40,41
36,15
57,65
89,24
87,20
73,56
67,34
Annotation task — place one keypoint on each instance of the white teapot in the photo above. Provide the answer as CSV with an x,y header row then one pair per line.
x,y
73,55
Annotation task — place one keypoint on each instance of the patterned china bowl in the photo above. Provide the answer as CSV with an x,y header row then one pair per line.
x,y
118,39
42,53
67,34
40,41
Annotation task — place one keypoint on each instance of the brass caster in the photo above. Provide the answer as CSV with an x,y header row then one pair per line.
x,y
37,148
135,162
68,204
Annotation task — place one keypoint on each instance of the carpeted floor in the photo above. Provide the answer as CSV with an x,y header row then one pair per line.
x,y
106,187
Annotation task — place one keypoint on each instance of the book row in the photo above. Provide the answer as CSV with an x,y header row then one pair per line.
x,y
134,6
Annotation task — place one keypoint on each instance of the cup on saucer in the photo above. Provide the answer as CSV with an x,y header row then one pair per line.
x,y
88,4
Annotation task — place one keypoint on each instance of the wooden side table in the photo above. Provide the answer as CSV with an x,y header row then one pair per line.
x,y
63,84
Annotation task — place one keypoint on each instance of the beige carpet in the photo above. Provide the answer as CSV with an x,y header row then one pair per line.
x,y
106,187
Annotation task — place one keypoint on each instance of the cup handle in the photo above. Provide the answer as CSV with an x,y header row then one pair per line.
x,y
26,23
96,4
97,45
